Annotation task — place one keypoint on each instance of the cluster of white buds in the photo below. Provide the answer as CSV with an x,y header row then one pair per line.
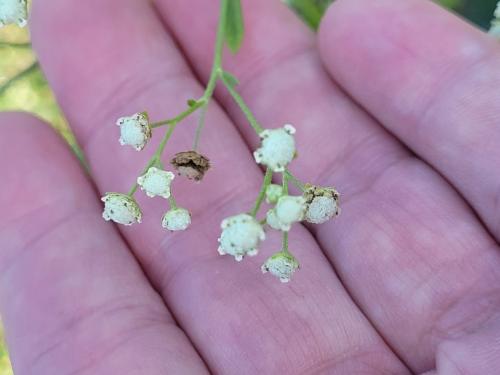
x,y
281,265
13,12
241,236
135,130
277,149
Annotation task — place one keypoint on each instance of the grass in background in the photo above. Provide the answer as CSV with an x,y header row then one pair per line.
x,y
23,87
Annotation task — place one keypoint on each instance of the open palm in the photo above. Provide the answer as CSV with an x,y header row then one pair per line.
x,y
396,104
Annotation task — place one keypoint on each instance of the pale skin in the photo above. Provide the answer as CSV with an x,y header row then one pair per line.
x,y
396,103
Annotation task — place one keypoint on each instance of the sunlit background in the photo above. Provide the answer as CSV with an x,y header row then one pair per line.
x,y
23,87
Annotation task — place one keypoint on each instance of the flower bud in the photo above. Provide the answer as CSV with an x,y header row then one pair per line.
x,y
241,235
277,149
135,130
176,219
121,208
273,193
289,210
13,12
156,182
282,265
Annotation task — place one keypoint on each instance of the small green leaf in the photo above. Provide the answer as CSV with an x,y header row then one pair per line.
x,y
192,102
234,27
311,11
231,79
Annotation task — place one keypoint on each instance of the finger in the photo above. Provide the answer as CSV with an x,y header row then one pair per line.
x,y
440,98
408,276
72,297
240,322
476,353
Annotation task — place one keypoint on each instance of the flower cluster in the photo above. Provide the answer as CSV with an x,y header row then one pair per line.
x,y
13,12
136,131
242,234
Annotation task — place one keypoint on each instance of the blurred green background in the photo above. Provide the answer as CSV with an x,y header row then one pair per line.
x,y
23,87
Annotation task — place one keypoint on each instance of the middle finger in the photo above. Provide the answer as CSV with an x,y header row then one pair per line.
x,y
239,321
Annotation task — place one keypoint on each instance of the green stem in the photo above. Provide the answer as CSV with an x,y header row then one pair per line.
x,y
285,242
267,181
216,70
199,128
171,200
241,103
294,180
182,116
285,183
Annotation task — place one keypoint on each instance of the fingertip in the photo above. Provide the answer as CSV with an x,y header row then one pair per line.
x,y
368,37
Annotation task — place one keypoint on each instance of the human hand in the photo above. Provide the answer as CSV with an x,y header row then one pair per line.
x,y
406,280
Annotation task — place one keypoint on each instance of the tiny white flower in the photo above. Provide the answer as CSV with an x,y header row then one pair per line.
x,y
282,265
273,193
121,208
272,220
13,12
241,235
156,182
289,210
176,219
322,204
135,130
277,149
497,10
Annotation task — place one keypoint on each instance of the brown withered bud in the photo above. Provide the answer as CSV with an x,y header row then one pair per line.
x,y
191,164
322,203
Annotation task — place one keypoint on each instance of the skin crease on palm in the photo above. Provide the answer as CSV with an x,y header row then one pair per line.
x,y
395,103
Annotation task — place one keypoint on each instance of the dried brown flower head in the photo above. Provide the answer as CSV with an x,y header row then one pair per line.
x,y
191,164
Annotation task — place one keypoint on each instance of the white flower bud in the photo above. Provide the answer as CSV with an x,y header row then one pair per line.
x,y
322,204
272,220
241,235
277,149
13,12
121,208
156,182
282,265
289,210
176,219
273,193
134,130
